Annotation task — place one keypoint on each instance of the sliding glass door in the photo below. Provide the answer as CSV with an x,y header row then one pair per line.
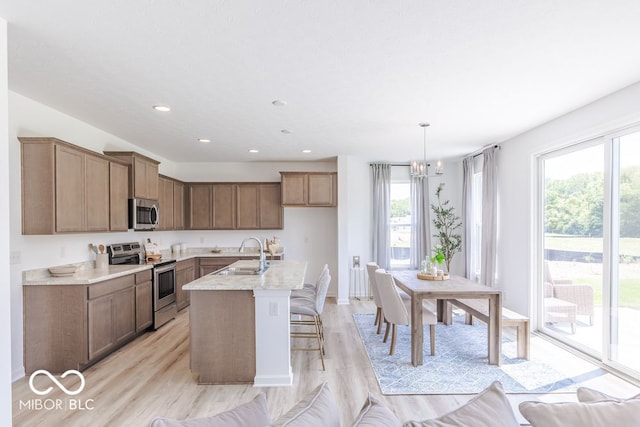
x,y
589,292
624,302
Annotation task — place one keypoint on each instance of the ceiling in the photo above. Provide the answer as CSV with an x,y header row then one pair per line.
x,y
357,75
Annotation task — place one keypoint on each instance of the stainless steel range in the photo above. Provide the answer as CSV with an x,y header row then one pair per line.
x,y
164,279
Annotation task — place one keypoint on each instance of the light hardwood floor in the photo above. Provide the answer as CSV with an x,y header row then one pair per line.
x,y
150,377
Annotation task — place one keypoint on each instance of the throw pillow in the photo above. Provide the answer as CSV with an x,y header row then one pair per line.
x,y
586,394
375,414
592,414
318,408
253,413
489,408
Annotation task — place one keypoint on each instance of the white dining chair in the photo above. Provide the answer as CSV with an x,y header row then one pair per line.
x,y
397,310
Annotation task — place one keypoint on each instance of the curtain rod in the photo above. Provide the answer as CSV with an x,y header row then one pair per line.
x,y
395,164
478,152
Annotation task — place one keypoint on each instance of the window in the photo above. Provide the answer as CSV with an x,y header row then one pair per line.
x,y
400,223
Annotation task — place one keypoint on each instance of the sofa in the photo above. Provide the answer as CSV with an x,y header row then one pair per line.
x,y
490,407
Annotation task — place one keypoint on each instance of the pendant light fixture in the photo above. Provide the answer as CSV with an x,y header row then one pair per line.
x,y
420,168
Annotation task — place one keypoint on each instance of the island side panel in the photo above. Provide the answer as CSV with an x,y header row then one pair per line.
x,y
222,328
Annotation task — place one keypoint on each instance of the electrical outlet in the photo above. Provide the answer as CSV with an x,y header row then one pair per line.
x,y
63,251
15,258
273,309
202,239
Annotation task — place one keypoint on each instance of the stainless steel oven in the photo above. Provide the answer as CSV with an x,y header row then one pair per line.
x,y
164,279
164,293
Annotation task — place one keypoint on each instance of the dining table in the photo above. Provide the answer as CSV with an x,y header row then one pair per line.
x,y
455,287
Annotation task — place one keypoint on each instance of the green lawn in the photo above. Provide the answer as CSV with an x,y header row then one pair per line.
x,y
628,245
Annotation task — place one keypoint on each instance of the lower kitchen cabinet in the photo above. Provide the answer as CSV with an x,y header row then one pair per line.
x,y
111,321
73,326
144,301
185,273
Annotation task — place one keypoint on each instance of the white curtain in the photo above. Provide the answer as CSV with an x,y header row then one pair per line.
x,y
489,217
381,209
420,221
467,214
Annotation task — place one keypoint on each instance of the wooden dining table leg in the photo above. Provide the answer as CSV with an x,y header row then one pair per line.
x,y
494,329
417,332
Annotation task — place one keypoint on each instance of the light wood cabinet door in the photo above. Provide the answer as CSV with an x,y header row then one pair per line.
x,y
224,206
124,314
309,188
294,188
165,200
322,189
151,178
178,205
270,206
185,273
144,306
118,197
96,190
69,190
247,206
100,322
200,206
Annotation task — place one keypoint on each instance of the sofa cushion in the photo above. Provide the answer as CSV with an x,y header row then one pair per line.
x,y
375,414
253,413
583,414
318,408
586,394
490,408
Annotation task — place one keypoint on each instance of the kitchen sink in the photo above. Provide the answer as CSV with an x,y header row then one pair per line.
x,y
235,271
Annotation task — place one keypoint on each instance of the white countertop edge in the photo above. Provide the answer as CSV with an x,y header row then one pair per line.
x,y
287,274
90,276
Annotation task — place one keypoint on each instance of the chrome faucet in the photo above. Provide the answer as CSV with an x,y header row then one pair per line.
x,y
263,258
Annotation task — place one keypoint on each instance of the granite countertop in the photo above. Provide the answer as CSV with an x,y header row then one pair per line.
x,y
87,274
280,275
226,252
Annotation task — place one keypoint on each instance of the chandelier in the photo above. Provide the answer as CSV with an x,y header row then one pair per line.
x,y
420,168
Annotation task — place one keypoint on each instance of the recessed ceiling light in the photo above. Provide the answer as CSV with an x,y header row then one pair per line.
x,y
162,108
279,103
204,140
287,131
306,151
253,150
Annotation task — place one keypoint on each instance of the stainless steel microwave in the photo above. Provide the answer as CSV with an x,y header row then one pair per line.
x,y
143,214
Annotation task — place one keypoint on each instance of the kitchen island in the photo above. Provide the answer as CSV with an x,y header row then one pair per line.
x,y
239,324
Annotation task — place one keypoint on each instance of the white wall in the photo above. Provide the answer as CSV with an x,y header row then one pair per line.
x,y
5,290
309,233
517,186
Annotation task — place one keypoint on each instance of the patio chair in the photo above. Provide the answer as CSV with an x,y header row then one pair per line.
x,y
579,294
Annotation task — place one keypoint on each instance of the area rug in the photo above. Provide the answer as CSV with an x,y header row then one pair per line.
x,y
459,366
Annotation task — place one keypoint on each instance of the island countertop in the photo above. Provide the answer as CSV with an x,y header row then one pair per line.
x,y
286,274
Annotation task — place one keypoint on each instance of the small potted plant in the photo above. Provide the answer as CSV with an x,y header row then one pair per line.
x,y
437,258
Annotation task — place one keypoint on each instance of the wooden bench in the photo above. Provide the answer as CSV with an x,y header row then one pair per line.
x,y
480,308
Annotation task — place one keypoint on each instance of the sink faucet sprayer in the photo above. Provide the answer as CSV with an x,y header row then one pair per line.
x,y
263,260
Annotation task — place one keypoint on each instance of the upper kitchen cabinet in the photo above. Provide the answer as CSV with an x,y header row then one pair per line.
x,y
234,206
211,206
143,177
171,201
309,188
259,206
67,189
178,205
118,196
